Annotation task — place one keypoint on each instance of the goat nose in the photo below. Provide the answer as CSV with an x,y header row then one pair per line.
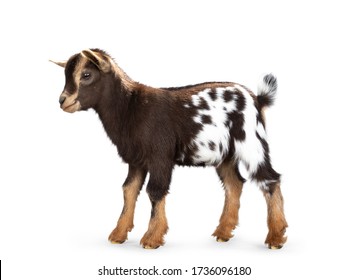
x,y
62,99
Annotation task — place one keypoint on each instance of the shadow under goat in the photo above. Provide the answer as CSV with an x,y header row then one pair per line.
x,y
211,124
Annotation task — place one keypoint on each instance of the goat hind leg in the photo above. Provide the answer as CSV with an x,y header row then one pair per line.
x,y
276,220
233,183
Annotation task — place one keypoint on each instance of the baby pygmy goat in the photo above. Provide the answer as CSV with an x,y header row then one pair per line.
x,y
211,124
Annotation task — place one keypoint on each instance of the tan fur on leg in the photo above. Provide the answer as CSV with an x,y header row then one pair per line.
x,y
276,221
230,215
154,237
131,191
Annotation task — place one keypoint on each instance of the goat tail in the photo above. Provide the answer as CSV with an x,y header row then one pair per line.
x,y
267,91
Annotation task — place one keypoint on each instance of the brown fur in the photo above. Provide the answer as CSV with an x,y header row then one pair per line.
x,y
131,190
276,221
157,228
233,188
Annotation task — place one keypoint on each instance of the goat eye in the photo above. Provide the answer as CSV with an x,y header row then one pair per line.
x,y
86,76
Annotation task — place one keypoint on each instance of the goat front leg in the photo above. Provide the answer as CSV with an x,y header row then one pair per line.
x,y
157,190
157,228
131,190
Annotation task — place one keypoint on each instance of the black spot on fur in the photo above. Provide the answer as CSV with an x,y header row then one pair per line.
x,y
265,171
228,96
240,101
220,147
237,130
203,104
260,119
206,119
213,94
211,145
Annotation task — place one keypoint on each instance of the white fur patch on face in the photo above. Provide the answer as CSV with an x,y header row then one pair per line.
x,y
250,151
212,141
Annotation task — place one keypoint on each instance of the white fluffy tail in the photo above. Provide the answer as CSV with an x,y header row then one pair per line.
x,y
267,91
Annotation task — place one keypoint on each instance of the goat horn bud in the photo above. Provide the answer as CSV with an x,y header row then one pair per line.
x,y
60,63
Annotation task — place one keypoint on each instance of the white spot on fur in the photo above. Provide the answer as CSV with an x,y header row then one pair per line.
x,y
261,131
196,100
263,87
215,132
250,151
264,185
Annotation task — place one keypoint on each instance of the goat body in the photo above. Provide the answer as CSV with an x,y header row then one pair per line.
x,y
211,124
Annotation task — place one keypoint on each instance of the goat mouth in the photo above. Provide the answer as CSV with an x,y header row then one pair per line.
x,y
72,107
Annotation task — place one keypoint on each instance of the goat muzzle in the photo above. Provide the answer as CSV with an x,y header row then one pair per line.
x,y
69,102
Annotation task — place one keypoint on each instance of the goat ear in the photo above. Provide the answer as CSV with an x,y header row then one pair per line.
x,y
98,59
60,63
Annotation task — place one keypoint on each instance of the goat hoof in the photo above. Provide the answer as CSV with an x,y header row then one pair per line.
x,y
221,239
117,236
150,247
222,236
151,243
117,241
114,239
273,247
275,243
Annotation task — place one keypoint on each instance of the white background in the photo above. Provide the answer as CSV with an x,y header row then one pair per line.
x,y
60,176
